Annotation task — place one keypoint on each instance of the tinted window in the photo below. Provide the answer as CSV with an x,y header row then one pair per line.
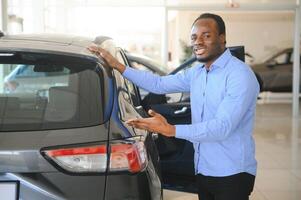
x,y
45,91
129,85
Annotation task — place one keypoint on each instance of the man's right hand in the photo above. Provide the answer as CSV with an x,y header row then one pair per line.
x,y
109,59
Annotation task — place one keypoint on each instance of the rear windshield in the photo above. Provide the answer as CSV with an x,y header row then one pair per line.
x,y
46,91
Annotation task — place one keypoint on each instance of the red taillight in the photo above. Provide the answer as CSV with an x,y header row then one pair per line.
x,y
78,151
131,157
125,155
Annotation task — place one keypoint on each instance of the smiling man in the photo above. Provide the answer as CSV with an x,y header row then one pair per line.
x,y
223,93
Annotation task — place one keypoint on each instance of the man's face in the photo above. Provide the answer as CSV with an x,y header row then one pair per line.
x,y
206,41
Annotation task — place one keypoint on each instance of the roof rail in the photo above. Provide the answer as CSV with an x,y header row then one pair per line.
x,y
100,39
1,34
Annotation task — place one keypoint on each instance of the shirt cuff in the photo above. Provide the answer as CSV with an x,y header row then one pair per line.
x,y
181,131
126,71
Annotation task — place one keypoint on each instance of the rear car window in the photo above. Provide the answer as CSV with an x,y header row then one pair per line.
x,y
45,91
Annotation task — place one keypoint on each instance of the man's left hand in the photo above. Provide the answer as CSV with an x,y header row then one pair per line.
x,y
156,123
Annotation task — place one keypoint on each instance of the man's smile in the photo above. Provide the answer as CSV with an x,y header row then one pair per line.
x,y
199,50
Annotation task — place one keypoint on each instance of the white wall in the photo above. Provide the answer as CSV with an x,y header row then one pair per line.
x,y
262,33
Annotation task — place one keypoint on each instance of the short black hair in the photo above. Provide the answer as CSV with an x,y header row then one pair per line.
x,y
219,21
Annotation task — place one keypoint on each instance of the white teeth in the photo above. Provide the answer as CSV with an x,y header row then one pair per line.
x,y
200,51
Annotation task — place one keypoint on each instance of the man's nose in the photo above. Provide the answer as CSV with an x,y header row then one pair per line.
x,y
198,41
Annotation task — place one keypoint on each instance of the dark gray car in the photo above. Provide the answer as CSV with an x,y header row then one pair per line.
x,y
63,132
277,71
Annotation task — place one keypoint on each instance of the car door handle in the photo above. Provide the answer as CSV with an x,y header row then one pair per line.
x,y
181,111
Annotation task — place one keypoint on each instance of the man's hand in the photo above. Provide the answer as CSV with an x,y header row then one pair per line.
x,y
109,59
156,123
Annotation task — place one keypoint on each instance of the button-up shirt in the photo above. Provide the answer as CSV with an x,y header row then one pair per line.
x,y
223,102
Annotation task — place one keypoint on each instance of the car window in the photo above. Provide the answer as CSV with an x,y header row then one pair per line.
x,y
181,97
140,66
282,58
126,107
45,91
291,59
129,85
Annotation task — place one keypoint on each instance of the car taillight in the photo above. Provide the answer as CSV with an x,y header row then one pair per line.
x,y
125,155
130,157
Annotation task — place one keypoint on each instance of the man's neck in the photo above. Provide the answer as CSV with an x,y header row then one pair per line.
x,y
209,63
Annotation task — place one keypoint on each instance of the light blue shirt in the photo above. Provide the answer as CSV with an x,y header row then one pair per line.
x,y
223,102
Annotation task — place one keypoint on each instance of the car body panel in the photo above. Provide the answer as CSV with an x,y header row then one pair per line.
x,y
21,155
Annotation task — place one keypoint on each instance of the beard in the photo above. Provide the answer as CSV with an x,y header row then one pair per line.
x,y
205,59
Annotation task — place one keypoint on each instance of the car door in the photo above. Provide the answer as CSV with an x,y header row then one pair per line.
x,y
176,155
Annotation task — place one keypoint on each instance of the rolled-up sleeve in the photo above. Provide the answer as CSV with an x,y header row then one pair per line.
x,y
240,98
179,82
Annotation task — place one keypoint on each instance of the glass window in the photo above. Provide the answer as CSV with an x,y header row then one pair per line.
x,y
143,93
281,59
45,91
140,66
129,85
126,109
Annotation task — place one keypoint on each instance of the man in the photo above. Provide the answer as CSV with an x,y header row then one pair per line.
x,y
223,100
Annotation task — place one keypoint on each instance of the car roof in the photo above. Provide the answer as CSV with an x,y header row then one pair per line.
x,y
60,43
286,50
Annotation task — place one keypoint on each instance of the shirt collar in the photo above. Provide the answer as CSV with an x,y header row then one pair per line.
x,y
222,60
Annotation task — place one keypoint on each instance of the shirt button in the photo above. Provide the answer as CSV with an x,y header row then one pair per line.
x,y
203,93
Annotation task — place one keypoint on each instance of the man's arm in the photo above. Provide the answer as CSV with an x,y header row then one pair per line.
x,y
242,92
154,83
146,80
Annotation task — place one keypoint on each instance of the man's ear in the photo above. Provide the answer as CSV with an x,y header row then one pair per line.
x,y
222,38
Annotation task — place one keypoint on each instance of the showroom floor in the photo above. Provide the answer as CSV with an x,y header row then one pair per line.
x,y
278,152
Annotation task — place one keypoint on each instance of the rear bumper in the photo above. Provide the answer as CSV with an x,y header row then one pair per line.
x,y
58,186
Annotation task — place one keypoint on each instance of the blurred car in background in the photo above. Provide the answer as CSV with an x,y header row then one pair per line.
x,y
277,71
145,63
249,58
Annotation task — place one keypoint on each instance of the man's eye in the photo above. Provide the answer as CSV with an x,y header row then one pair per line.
x,y
206,36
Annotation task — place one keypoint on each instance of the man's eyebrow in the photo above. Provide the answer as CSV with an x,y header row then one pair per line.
x,y
206,32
